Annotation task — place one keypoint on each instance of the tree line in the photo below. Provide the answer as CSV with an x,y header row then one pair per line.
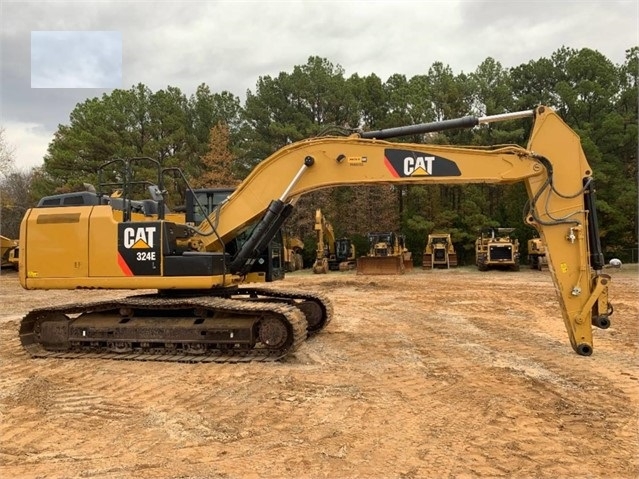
x,y
216,139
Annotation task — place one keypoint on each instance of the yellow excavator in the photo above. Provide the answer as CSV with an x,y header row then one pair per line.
x,y
203,309
332,254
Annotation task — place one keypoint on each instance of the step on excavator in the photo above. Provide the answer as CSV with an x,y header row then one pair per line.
x,y
204,308
332,254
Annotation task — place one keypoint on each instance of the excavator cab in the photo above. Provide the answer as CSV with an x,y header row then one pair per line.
x,y
345,259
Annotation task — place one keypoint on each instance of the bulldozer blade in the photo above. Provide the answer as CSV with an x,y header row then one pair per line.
x,y
452,259
427,262
380,265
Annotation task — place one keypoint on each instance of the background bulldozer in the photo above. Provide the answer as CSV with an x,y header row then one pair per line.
x,y
8,253
537,254
495,248
386,255
439,252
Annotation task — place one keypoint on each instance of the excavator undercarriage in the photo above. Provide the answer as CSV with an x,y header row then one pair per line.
x,y
251,324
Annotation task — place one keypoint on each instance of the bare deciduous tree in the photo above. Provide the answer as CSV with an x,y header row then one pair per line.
x,y
6,154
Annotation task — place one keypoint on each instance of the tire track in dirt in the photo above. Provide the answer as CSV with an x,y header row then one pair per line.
x,y
569,385
405,382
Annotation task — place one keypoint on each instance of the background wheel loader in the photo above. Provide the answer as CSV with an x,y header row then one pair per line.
x,y
495,248
386,255
439,252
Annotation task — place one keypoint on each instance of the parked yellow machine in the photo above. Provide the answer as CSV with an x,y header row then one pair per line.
x,y
537,254
495,248
9,252
332,254
293,249
386,254
439,252
204,310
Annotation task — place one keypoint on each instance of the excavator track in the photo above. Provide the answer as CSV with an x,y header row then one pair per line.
x,y
155,328
317,308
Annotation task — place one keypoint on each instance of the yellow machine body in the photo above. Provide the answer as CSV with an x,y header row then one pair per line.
x,y
9,252
495,248
386,255
439,252
332,254
537,254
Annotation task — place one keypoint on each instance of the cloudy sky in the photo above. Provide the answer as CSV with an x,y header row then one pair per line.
x,y
99,45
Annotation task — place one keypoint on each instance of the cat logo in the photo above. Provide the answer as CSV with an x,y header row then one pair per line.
x,y
420,166
141,237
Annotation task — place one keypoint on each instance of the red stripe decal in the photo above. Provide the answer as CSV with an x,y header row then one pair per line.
x,y
390,167
123,266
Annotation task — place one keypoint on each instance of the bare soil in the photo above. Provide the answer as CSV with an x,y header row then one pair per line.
x,y
432,374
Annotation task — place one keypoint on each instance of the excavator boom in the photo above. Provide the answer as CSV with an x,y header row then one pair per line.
x,y
170,257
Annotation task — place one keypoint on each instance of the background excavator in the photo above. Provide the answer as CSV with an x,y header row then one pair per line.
x,y
332,254
203,309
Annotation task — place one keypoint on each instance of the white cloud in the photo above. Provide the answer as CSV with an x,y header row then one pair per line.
x,y
81,59
29,141
228,45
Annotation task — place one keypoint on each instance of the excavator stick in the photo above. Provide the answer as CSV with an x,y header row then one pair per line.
x,y
380,265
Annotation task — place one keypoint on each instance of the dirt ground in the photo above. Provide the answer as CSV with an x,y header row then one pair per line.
x,y
433,374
